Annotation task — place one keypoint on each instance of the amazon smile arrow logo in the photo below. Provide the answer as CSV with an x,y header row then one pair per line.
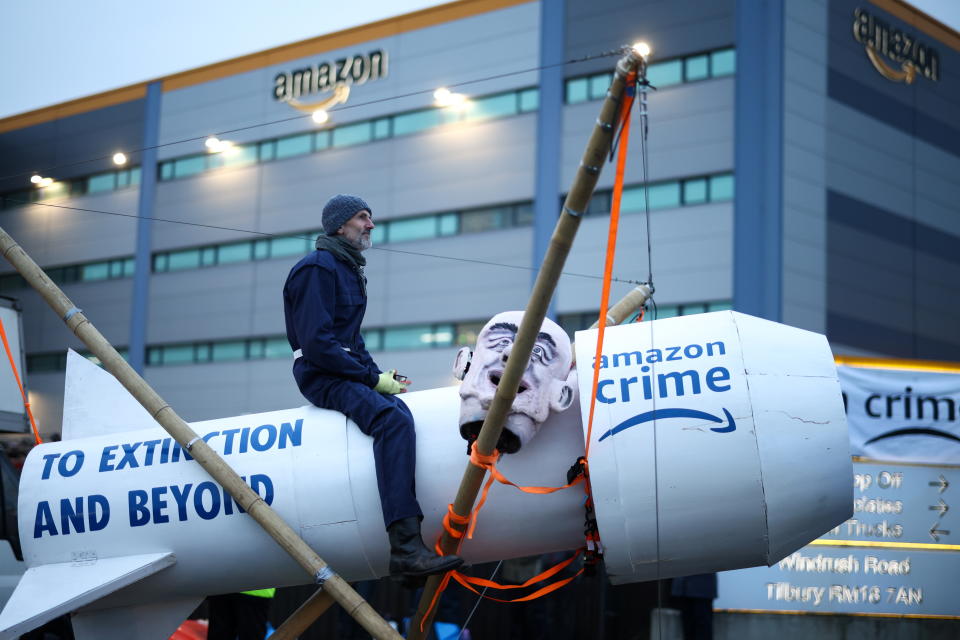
x,y
662,414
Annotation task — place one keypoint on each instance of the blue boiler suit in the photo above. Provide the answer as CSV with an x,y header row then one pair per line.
x,y
324,303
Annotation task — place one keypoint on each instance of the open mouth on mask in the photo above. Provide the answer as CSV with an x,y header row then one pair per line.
x,y
495,379
508,442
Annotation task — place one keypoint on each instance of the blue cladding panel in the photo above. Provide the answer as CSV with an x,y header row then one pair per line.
x,y
886,279
148,190
758,160
549,120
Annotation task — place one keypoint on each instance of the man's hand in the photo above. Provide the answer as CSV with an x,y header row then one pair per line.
x,y
389,383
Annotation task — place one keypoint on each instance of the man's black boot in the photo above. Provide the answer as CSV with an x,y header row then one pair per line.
x,y
409,556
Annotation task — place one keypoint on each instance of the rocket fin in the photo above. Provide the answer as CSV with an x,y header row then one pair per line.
x,y
87,389
154,621
51,590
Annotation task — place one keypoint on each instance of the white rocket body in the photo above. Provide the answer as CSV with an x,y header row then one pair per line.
x,y
676,492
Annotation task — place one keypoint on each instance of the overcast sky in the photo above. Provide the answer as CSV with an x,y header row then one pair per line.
x,y
59,50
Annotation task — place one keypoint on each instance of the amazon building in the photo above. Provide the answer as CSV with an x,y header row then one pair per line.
x,y
802,168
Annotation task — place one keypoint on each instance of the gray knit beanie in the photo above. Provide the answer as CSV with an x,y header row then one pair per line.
x,y
339,209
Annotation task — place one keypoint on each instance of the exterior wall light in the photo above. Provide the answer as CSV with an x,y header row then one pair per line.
x,y
443,97
119,158
216,145
642,48
320,116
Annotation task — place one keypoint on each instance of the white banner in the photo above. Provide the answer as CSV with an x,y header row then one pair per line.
x,y
906,413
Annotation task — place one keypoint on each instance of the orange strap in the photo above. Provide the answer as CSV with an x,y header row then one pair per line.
x,y
436,594
469,581
455,518
543,575
550,588
489,462
16,375
625,110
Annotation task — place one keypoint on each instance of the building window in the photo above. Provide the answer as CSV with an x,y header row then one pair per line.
x,y
288,246
276,347
723,62
486,219
412,229
416,121
351,134
102,182
529,100
695,191
499,106
578,90
229,351
397,338
599,85
448,224
237,156
186,259
381,128
294,146
721,187
696,68
235,252
96,271
189,166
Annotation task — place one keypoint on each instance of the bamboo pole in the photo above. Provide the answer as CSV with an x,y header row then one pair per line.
x,y
598,147
301,619
206,457
629,303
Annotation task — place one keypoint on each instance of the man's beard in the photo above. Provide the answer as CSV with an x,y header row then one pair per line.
x,y
361,243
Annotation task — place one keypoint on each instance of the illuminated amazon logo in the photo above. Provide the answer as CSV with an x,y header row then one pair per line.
x,y
885,44
665,385
319,87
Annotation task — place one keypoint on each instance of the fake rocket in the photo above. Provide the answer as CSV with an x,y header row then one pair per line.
x,y
719,442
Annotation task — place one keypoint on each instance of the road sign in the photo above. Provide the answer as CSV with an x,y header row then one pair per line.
x,y
898,554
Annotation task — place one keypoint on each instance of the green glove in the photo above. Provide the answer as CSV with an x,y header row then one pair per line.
x,y
388,384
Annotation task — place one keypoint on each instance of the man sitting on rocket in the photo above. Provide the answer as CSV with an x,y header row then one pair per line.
x,y
324,300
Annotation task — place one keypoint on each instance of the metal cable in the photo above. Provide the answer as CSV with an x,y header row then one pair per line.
x,y
463,627
642,86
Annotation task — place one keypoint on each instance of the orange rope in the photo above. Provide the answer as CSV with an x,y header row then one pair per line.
x,y
454,518
469,581
489,463
611,252
16,375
